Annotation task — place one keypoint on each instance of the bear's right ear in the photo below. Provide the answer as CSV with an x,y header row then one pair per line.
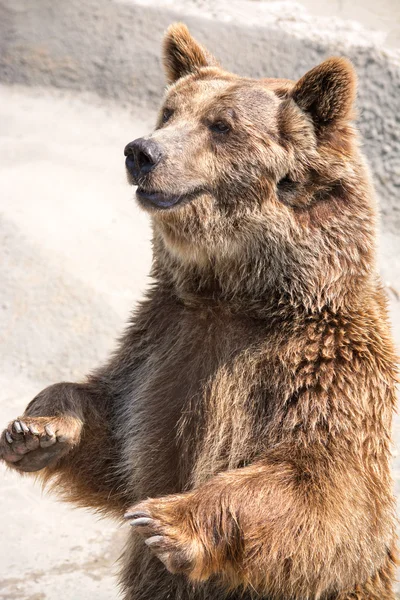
x,y
182,54
328,91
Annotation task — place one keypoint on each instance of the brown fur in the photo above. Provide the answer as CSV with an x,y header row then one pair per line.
x,y
247,411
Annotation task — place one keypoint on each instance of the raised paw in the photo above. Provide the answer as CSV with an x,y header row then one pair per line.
x,y
32,443
165,539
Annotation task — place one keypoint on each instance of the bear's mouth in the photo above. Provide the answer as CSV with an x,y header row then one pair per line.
x,y
158,199
155,198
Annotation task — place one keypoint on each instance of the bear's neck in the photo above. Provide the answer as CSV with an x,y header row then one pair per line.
x,y
255,286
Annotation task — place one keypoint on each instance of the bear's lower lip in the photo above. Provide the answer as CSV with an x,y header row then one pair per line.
x,y
157,198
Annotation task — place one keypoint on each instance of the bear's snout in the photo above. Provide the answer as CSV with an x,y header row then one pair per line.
x,y
142,155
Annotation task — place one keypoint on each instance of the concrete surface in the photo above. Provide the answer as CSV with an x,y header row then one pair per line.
x,y
74,248
112,47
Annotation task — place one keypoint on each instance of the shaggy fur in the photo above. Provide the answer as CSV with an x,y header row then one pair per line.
x,y
247,413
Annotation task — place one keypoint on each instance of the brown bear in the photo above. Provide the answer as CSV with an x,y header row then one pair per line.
x,y
243,426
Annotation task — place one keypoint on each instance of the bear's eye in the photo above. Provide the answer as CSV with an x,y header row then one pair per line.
x,y
219,127
167,114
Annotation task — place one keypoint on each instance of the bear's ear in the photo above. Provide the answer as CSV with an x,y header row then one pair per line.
x,y
328,91
182,54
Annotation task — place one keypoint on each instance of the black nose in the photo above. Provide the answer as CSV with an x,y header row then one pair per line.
x,y
142,155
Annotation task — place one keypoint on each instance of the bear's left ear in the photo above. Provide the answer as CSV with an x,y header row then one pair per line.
x,y
328,91
182,54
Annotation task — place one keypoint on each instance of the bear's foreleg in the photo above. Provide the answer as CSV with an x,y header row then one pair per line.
x,y
65,437
277,527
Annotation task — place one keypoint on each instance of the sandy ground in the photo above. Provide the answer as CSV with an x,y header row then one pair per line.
x,y
74,257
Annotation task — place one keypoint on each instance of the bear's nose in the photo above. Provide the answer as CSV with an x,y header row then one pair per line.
x,y
142,155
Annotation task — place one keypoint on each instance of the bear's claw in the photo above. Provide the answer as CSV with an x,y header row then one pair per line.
x,y
155,541
141,521
17,427
159,536
145,524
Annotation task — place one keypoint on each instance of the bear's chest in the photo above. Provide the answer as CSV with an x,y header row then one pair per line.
x,y
198,403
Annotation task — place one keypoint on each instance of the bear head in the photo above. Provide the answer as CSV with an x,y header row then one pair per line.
x,y
255,185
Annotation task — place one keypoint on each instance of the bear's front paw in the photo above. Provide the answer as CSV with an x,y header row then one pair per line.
x,y
32,443
165,532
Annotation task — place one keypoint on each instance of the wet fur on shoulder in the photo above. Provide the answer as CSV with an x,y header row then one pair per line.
x,y
245,420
